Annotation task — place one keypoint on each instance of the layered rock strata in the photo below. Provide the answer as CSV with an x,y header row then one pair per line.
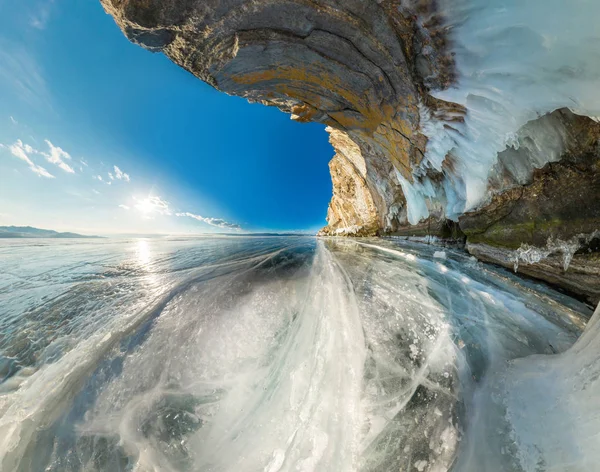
x,y
362,68
417,145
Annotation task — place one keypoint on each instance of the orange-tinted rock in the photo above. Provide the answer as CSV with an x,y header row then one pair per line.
x,y
359,67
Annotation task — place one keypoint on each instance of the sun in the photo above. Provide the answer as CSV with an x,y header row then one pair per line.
x,y
145,206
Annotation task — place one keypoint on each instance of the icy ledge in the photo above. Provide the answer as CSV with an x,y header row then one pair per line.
x,y
542,412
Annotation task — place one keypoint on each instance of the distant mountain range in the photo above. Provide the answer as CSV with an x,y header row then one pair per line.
x,y
30,232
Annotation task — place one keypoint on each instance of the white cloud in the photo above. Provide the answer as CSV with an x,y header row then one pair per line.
x,y
111,176
218,222
22,151
104,181
15,122
119,174
56,157
125,207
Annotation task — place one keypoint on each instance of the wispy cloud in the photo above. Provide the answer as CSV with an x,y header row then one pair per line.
x,y
104,181
119,174
15,122
22,151
125,207
57,156
40,18
218,222
20,72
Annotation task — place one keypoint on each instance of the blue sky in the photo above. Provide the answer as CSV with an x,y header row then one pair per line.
x,y
78,102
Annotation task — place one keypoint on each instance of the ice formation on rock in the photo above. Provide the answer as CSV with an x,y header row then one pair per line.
x,y
433,107
531,254
515,63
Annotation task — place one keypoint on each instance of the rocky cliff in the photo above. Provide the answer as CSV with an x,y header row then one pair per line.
x,y
433,116
362,68
549,226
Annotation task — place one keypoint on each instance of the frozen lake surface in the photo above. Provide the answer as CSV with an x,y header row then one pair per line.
x,y
280,354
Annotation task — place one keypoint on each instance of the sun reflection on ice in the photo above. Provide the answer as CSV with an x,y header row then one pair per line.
x,y
145,258
143,251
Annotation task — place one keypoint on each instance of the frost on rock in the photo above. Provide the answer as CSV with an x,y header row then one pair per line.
x,y
348,230
528,254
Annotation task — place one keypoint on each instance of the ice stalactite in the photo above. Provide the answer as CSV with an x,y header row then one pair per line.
x,y
515,62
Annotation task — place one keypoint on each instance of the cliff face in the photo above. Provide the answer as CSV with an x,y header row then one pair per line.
x,y
362,68
432,113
